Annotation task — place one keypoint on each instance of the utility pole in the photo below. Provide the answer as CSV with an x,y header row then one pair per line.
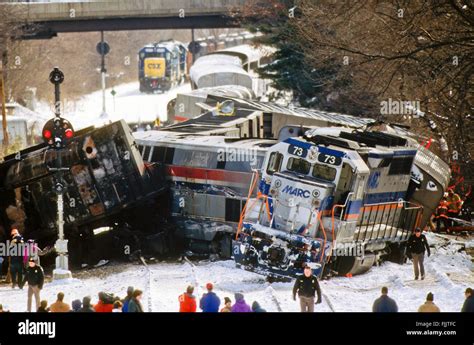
x,y
4,109
103,49
192,40
56,132
103,71
193,46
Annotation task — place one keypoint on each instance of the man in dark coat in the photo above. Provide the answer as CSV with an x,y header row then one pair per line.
x,y
416,246
34,275
86,306
135,306
468,306
16,259
306,286
209,302
385,304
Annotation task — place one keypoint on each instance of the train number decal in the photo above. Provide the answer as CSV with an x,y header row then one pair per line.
x,y
297,151
329,159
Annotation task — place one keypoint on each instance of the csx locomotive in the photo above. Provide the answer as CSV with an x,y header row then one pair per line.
x,y
162,66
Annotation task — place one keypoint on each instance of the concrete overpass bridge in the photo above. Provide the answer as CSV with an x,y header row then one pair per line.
x,y
47,19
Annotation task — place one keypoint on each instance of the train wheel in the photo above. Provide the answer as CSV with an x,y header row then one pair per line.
x,y
353,265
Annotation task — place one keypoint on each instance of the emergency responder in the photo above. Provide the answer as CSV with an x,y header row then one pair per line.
x,y
454,204
442,215
306,285
417,244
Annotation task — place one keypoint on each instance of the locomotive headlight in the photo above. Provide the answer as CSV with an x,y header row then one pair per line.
x,y
316,202
315,193
312,154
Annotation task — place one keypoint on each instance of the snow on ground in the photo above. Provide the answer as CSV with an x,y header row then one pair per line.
x,y
130,104
449,273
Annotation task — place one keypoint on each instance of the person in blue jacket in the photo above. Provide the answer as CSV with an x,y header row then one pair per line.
x,y
126,300
209,302
385,304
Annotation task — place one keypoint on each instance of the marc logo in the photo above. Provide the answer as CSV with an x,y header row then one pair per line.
x,y
296,191
37,328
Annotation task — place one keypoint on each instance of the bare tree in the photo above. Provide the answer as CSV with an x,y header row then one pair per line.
x,y
418,51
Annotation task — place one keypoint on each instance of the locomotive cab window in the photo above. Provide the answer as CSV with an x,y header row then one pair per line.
x,y
274,163
324,172
400,166
298,165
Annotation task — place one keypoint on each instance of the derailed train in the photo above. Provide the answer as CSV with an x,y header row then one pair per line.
x,y
272,187
337,198
107,185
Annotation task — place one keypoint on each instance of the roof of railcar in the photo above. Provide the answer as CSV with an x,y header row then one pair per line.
x,y
215,141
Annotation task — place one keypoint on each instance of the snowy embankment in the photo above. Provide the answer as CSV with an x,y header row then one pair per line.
x,y
449,273
128,104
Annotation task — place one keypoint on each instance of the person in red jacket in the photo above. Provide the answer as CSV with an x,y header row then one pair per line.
x,y
101,306
187,301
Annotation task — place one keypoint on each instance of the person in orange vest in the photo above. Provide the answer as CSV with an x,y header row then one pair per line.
x,y
187,301
442,215
454,203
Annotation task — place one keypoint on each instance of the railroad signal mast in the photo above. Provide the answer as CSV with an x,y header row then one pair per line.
x,y
56,133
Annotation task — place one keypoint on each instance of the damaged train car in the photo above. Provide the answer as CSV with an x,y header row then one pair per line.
x,y
338,200
107,187
361,188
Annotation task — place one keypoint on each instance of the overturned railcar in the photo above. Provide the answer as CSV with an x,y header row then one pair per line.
x,y
107,185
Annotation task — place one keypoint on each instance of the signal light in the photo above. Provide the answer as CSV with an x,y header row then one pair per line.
x,y
57,132
47,134
69,133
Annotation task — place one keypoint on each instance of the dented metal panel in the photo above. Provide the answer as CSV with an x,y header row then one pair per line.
x,y
107,175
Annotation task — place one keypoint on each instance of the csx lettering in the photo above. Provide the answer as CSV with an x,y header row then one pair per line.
x,y
296,191
154,65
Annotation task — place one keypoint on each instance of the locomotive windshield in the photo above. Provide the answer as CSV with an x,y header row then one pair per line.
x,y
298,165
324,172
